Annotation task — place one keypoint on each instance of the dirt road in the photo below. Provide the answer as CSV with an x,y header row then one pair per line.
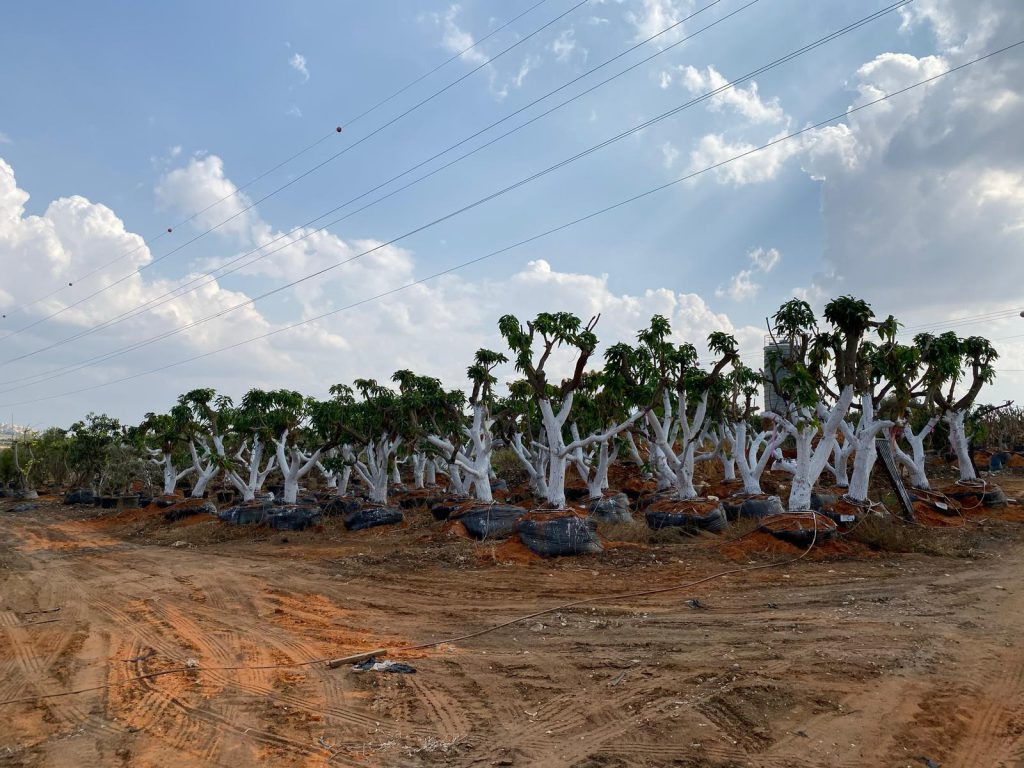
x,y
875,661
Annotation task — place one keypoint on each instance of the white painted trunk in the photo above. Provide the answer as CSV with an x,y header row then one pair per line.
x,y
419,466
171,473
533,463
294,465
343,481
592,467
557,455
682,463
958,442
257,475
206,469
751,459
914,462
865,452
841,462
431,472
634,454
811,460
374,471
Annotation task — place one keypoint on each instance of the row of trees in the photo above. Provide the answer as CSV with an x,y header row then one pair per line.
x,y
843,380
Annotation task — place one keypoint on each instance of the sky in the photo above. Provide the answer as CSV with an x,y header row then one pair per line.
x,y
121,122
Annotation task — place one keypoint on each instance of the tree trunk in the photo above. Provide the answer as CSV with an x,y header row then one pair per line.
x,y
751,460
915,461
557,456
205,472
346,475
958,442
811,460
293,468
419,466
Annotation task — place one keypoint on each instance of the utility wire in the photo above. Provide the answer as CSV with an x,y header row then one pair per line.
x,y
280,165
481,201
222,270
298,178
546,233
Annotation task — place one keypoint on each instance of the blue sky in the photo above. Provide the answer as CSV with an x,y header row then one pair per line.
x,y
146,110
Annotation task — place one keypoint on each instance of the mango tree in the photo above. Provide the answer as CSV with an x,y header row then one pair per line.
x,y
254,424
878,372
168,431
684,391
467,445
951,360
549,331
375,424
798,369
209,422
751,451
89,440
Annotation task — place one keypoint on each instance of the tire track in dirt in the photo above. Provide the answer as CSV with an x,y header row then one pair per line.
x,y
996,735
451,722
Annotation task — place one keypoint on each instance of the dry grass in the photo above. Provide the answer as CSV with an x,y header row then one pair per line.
x,y
891,535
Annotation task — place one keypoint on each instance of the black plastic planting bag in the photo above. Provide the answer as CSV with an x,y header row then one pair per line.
x,y
292,518
753,508
990,496
189,508
80,496
557,536
613,508
714,521
244,514
371,517
490,521
342,505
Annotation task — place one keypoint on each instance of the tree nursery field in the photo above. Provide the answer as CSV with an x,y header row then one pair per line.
x,y
629,564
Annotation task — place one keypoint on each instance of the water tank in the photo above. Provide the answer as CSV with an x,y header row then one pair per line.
x,y
774,369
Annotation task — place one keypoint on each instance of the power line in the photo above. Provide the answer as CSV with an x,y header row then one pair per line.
x,y
222,270
710,94
959,321
546,233
301,176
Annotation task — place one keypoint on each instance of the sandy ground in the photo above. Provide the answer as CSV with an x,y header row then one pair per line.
x,y
866,660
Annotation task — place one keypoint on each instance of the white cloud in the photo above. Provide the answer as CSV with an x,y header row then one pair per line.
x,y
741,286
298,63
201,185
744,101
525,67
936,191
669,154
655,15
564,45
765,259
5,139
457,40
294,111
432,327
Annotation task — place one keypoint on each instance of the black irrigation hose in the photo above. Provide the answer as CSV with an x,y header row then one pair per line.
x,y
435,643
